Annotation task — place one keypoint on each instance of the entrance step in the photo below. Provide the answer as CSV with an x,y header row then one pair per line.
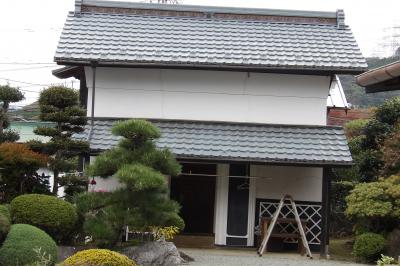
x,y
194,241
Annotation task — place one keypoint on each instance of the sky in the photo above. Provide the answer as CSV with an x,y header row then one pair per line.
x,y
30,29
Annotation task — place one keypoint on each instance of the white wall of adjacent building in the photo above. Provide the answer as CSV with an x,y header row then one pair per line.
x,y
209,95
302,183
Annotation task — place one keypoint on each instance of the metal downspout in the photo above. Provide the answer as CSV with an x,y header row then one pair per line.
x,y
92,102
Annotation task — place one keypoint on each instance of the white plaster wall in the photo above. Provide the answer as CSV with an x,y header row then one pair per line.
x,y
209,95
104,184
302,183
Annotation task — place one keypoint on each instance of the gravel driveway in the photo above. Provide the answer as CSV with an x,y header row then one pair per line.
x,y
223,257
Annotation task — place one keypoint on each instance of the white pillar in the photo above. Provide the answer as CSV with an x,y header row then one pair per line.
x,y
252,210
221,204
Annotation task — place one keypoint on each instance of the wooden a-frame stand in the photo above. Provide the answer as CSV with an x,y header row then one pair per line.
x,y
264,242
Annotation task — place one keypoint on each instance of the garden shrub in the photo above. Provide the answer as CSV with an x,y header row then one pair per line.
x,y
369,246
5,210
98,257
5,221
4,227
355,128
21,243
53,215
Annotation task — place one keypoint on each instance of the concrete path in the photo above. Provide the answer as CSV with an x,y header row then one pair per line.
x,y
224,257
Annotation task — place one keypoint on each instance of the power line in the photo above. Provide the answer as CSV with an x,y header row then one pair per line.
x,y
27,63
24,82
25,68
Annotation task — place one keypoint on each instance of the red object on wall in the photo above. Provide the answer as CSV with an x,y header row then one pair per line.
x,y
93,182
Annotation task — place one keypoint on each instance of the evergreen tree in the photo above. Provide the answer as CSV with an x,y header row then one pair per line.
x,y
60,105
142,201
8,95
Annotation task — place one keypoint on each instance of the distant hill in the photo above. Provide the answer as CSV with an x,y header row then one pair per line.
x,y
28,112
356,95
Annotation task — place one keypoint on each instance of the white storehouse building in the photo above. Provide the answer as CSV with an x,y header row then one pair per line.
x,y
240,96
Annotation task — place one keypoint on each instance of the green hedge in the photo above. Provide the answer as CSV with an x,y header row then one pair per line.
x,y
18,248
51,214
369,246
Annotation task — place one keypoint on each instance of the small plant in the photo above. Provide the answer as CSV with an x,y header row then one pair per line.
x,y
385,260
166,233
98,257
369,246
43,259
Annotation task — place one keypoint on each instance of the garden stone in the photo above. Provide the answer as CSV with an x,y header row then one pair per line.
x,y
155,253
393,240
67,251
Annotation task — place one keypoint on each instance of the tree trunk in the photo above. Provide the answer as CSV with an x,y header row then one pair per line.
x,y
55,183
3,114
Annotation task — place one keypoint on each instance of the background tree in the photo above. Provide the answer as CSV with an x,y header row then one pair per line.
x,y
60,105
18,168
142,200
8,95
375,206
375,148
391,153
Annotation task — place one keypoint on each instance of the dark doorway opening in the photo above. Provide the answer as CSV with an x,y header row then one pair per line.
x,y
195,192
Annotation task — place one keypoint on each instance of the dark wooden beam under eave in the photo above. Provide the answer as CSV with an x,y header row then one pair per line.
x,y
77,72
325,215
389,85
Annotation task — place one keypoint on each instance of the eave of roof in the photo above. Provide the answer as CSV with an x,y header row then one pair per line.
x,y
303,70
239,142
384,78
67,72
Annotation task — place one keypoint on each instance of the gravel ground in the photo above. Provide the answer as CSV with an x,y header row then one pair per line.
x,y
223,257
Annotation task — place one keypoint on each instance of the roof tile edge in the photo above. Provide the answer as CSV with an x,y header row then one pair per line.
x,y
313,17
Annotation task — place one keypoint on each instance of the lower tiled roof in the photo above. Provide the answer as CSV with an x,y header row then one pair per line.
x,y
318,145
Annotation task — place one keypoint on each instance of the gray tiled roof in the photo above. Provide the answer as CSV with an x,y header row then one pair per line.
x,y
207,42
240,141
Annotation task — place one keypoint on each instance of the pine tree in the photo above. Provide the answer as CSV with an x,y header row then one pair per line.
x,y
8,95
142,199
60,105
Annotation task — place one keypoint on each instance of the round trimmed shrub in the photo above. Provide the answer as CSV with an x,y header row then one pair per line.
x,y
51,214
98,257
369,246
21,242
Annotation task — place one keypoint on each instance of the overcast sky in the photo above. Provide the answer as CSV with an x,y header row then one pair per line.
x,y
30,29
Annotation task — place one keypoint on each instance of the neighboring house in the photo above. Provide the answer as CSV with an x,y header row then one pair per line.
x,y
384,78
240,96
25,130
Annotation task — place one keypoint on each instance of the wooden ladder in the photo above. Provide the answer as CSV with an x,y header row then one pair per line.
x,y
264,242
